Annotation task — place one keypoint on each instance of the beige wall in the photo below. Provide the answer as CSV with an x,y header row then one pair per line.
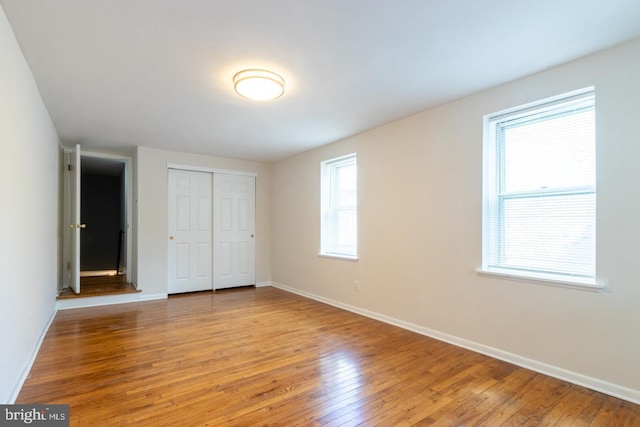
x,y
150,204
29,150
420,220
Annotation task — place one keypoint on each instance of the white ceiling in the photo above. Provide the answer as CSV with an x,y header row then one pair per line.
x,y
120,73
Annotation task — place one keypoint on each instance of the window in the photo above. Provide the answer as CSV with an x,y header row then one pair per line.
x,y
539,214
339,207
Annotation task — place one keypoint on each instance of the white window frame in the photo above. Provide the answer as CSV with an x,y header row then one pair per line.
x,y
493,194
329,246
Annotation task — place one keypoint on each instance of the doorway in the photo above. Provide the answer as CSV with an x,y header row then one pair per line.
x,y
97,237
102,203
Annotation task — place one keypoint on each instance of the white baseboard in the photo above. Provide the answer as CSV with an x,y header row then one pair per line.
x,y
263,284
27,366
66,304
151,297
596,384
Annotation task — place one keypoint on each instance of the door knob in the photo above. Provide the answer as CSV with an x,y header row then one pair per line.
x,y
82,225
170,237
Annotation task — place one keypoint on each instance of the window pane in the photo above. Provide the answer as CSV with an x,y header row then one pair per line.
x,y
550,234
345,186
558,152
345,232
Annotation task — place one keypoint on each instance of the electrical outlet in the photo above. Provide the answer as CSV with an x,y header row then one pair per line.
x,y
356,285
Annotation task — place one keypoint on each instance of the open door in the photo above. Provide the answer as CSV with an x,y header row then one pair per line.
x,y
76,225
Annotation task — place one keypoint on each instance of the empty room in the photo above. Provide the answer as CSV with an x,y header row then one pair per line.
x,y
298,212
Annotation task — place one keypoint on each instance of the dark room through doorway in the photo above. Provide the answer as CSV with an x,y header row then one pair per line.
x,y
103,207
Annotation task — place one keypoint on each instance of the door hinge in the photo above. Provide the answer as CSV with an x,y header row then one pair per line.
x,y
68,266
69,167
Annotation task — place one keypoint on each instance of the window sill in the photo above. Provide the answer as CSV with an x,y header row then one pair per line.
x,y
339,257
542,280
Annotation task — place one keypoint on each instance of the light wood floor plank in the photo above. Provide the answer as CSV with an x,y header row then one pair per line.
x,y
266,357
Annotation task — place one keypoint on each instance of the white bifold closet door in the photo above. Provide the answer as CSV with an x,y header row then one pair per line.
x,y
190,233
234,230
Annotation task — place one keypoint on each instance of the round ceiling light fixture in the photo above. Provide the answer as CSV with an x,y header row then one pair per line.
x,y
259,85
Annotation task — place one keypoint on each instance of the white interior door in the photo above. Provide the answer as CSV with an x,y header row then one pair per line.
x,y
76,224
189,231
234,230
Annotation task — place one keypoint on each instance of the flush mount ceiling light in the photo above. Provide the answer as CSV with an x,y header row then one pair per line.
x,y
259,85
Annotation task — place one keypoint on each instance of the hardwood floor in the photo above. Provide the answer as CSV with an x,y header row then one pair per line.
x,y
93,286
263,356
